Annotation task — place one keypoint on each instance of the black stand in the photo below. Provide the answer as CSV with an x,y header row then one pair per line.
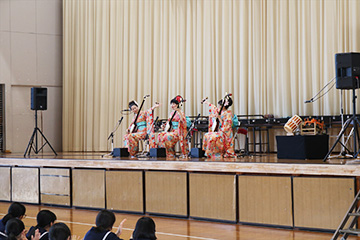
x,y
355,121
31,142
194,152
111,136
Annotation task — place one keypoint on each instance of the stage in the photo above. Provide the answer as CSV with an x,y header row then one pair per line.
x,y
263,163
256,189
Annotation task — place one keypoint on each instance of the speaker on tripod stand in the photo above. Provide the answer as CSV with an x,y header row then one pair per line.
x,y
38,102
347,67
38,98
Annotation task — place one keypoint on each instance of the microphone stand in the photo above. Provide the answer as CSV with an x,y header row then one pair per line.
x,y
189,135
313,99
111,136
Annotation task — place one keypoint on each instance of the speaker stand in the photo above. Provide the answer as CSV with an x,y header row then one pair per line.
x,y
356,136
34,136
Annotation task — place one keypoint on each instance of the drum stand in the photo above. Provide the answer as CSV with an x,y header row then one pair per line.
x,y
111,136
355,122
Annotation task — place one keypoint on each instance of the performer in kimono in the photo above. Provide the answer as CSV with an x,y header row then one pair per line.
x,y
175,130
144,123
220,143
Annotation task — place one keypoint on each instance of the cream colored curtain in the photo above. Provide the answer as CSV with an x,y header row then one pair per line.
x,y
272,55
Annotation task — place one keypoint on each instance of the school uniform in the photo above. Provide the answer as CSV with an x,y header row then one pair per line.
x,y
3,236
95,234
2,230
44,235
2,226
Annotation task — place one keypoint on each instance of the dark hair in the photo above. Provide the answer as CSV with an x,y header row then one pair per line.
x,y
13,228
230,101
144,229
16,210
45,218
105,220
59,231
132,103
177,100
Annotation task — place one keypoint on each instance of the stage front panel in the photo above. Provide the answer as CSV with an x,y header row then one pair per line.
x,y
265,200
88,188
212,196
55,186
25,185
166,192
5,187
124,191
321,202
55,200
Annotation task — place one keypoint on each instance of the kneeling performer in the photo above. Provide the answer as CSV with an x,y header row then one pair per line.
x,y
142,121
175,130
218,142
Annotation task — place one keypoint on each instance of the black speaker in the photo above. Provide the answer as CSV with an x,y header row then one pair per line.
x,y
347,67
197,153
38,98
120,152
157,152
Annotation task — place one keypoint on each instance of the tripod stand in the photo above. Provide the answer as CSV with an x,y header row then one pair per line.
x,y
35,136
344,153
355,122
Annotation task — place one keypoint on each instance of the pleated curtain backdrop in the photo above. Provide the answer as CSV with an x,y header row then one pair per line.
x,y
272,55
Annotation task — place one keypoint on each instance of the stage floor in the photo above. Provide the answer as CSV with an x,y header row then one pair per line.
x,y
250,158
253,164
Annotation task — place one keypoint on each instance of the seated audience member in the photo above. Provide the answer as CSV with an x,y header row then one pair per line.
x,y
59,231
16,210
104,224
45,219
15,230
144,229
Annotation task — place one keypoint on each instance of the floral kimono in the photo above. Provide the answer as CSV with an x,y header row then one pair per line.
x,y
145,126
220,143
177,134
213,112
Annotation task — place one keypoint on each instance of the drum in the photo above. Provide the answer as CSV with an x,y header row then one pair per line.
x,y
292,124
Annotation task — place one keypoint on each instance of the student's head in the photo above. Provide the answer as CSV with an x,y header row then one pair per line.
x,y
16,210
59,231
105,220
144,229
45,219
15,229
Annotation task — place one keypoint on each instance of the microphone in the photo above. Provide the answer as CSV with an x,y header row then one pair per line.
x,y
146,96
309,101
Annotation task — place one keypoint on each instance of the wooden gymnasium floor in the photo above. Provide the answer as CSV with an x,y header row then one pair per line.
x,y
80,221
